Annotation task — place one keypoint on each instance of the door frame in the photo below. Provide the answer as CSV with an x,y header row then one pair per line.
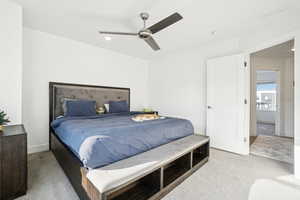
x,y
251,75
278,104
250,80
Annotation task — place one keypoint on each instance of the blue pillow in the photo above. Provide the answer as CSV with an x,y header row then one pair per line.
x,y
80,108
118,106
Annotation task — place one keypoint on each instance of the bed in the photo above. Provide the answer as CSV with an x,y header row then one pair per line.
x,y
81,144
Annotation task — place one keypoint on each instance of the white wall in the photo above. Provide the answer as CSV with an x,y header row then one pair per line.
x,y
51,58
177,82
177,88
11,60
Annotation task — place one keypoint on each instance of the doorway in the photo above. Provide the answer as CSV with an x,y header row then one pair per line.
x,y
272,107
268,102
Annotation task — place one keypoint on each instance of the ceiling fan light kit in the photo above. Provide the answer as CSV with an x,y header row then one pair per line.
x,y
146,33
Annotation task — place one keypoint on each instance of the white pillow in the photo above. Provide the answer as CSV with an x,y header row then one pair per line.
x,y
106,105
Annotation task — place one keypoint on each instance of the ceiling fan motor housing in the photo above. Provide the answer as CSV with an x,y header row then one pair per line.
x,y
144,15
144,33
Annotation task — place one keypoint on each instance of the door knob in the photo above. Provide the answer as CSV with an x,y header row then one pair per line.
x,y
209,107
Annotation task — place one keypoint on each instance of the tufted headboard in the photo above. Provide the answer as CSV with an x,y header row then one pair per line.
x,y
101,94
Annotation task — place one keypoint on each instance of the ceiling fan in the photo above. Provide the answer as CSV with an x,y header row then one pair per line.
x,y
146,33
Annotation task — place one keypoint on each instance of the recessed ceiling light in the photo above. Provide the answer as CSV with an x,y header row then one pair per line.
x,y
293,49
107,38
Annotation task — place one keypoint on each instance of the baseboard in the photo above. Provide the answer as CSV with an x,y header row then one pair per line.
x,y
38,148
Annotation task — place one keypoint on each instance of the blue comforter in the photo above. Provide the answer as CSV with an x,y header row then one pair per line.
x,y
100,140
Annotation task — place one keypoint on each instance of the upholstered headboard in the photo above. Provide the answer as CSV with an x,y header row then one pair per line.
x,y
101,94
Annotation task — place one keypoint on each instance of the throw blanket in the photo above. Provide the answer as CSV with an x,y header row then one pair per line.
x,y
103,139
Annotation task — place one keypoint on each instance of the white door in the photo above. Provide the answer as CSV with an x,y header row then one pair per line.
x,y
227,104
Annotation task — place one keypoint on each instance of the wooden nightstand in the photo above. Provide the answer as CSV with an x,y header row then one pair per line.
x,y
13,162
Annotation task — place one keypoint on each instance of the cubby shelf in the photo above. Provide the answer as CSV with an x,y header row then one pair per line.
x,y
150,185
176,169
141,189
200,153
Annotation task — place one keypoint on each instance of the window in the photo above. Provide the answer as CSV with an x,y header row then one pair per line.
x,y
266,96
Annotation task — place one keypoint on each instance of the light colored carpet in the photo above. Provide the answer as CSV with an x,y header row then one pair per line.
x,y
264,189
226,176
46,180
273,147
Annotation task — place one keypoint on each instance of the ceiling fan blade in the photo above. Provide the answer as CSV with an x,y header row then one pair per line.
x,y
117,33
152,43
165,23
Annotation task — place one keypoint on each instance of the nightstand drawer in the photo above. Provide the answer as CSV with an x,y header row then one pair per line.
x,y
13,162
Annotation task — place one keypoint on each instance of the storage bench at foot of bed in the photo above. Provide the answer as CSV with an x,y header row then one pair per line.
x,y
152,174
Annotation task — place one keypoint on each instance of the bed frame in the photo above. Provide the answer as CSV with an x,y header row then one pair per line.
x,y
71,165
77,173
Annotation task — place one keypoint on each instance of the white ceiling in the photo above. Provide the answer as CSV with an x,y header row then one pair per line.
x,y
283,50
81,19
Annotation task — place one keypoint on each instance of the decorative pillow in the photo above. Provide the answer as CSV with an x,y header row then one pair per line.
x,y
80,108
64,105
118,106
100,110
